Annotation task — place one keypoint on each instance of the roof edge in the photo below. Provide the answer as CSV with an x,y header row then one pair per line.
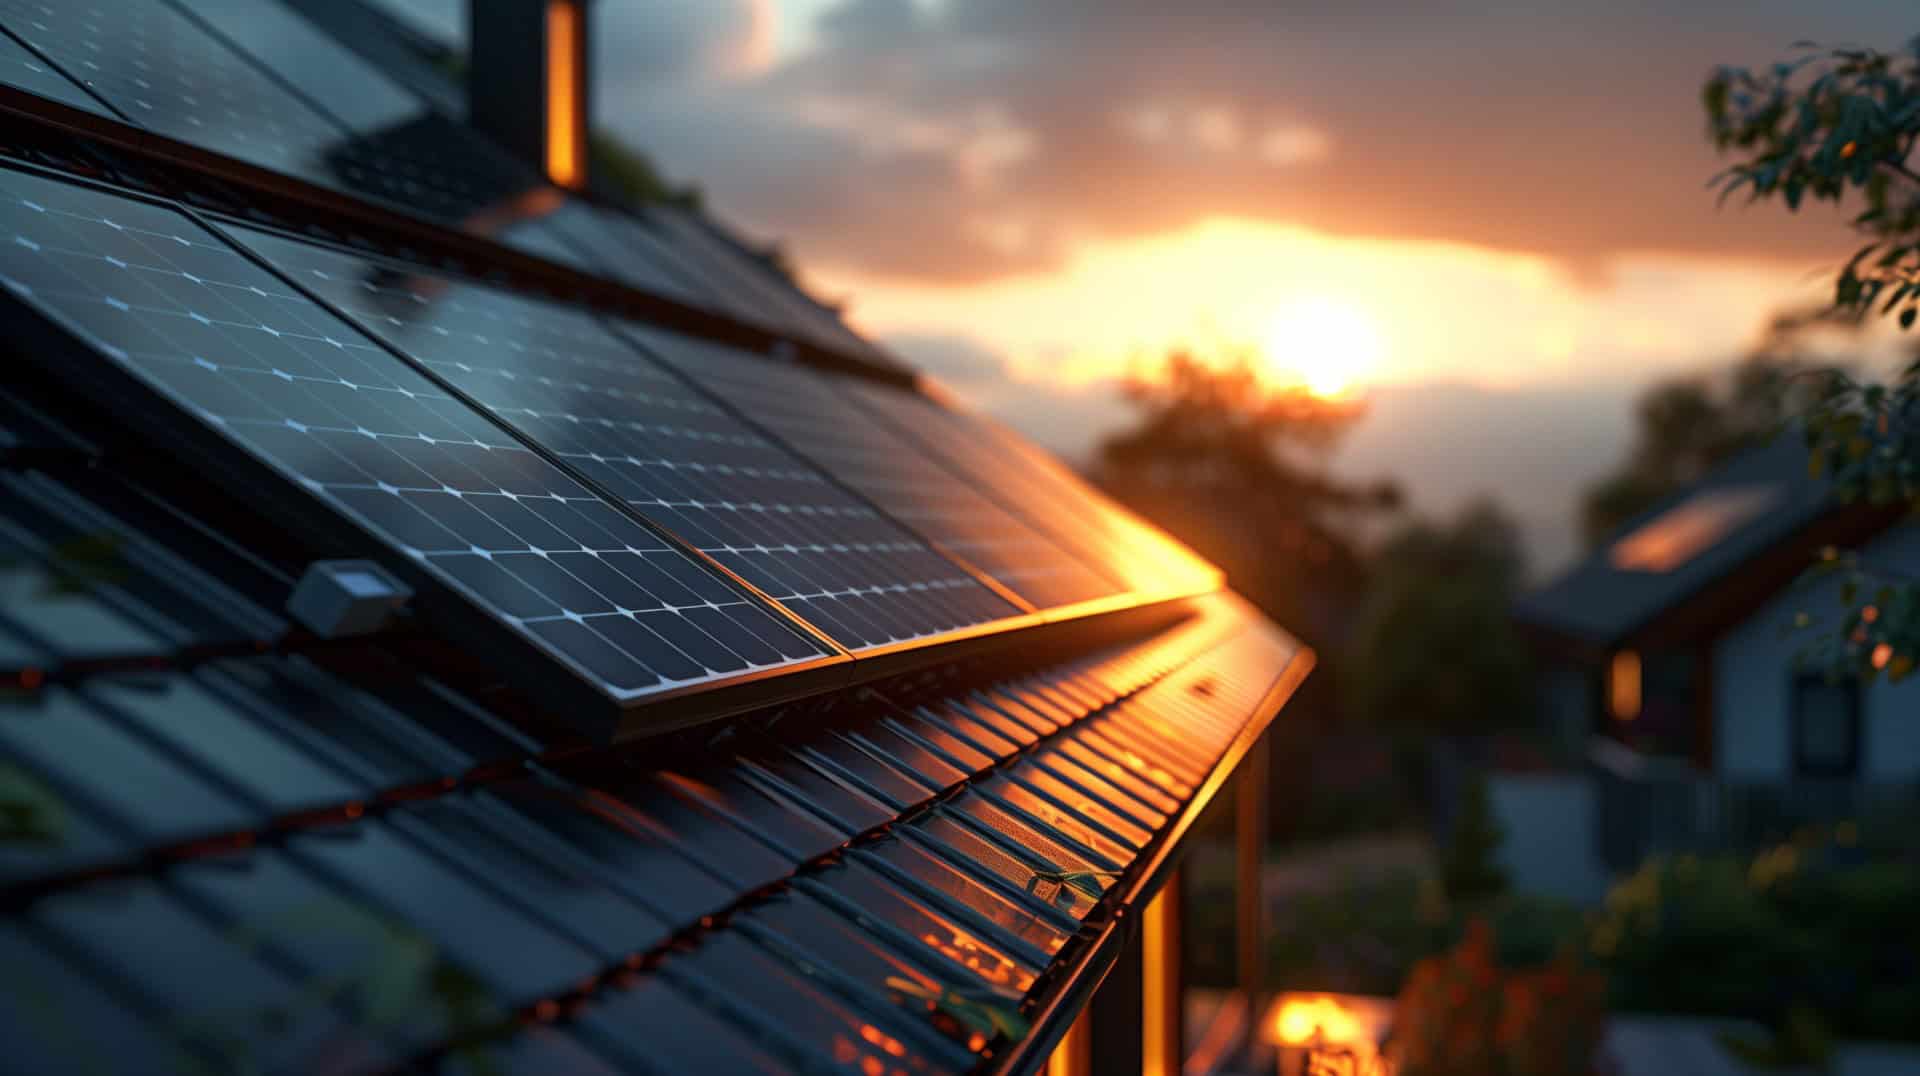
x,y
1065,1003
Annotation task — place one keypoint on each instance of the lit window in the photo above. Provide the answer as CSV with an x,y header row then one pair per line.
x,y
1623,686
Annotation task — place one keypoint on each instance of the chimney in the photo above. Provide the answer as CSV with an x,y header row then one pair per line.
x,y
527,83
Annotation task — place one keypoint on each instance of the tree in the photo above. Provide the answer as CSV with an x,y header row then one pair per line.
x,y
1236,469
1435,648
1834,125
1471,871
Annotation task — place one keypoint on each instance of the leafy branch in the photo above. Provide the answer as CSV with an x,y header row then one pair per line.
x,y
1821,126
988,1012
1087,882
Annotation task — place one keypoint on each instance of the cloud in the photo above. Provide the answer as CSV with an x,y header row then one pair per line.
x,y
1571,131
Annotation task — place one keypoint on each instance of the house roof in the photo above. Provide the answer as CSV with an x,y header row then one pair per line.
x,y
751,709
1682,546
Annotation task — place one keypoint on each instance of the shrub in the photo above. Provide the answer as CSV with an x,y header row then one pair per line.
x,y
1791,938
1471,870
1463,1014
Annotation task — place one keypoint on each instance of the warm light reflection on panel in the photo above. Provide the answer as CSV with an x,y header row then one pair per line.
x,y
564,124
1160,1052
1074,1055
1676,536
1623,685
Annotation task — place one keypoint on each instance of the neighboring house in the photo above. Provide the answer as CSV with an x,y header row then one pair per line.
x,y
451,621
1672,650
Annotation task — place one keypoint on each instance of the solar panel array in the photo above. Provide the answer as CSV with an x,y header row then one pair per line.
x,y
645,436
255,80
359,870
355,427
804,410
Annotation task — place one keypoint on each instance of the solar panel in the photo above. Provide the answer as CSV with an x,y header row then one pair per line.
x,y
1057,501
625,248
252,80
643,435
20,67
802,409
401,151
734,273
301,395
161,70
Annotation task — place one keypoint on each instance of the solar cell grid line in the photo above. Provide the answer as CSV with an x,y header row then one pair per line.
x,y
641,434
165,73
1058,503
296,405
893,472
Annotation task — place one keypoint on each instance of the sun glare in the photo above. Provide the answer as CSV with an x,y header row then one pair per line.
x,y
1323,345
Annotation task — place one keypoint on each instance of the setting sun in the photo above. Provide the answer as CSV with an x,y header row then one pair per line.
x,y
1323,344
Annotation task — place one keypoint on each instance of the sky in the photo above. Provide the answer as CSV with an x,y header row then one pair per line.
x,y
1488,220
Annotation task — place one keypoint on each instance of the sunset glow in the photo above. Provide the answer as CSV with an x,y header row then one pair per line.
x,y
1325,345
1334,312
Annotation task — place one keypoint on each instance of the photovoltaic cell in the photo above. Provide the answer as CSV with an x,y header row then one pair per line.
x,y
1060,503
355,427
645,436
802,409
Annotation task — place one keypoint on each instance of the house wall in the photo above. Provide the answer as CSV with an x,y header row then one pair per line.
x,y
1753,673
1569,697
1549,843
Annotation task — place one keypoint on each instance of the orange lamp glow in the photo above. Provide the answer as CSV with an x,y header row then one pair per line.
x,y
1623,685
1303,1021
565,125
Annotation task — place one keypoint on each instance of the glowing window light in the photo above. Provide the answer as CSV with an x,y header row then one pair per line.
x,y
1623,685
564,122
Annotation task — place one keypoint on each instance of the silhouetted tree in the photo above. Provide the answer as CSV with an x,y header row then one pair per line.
x,y
1435,649
1237,470
1470,871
